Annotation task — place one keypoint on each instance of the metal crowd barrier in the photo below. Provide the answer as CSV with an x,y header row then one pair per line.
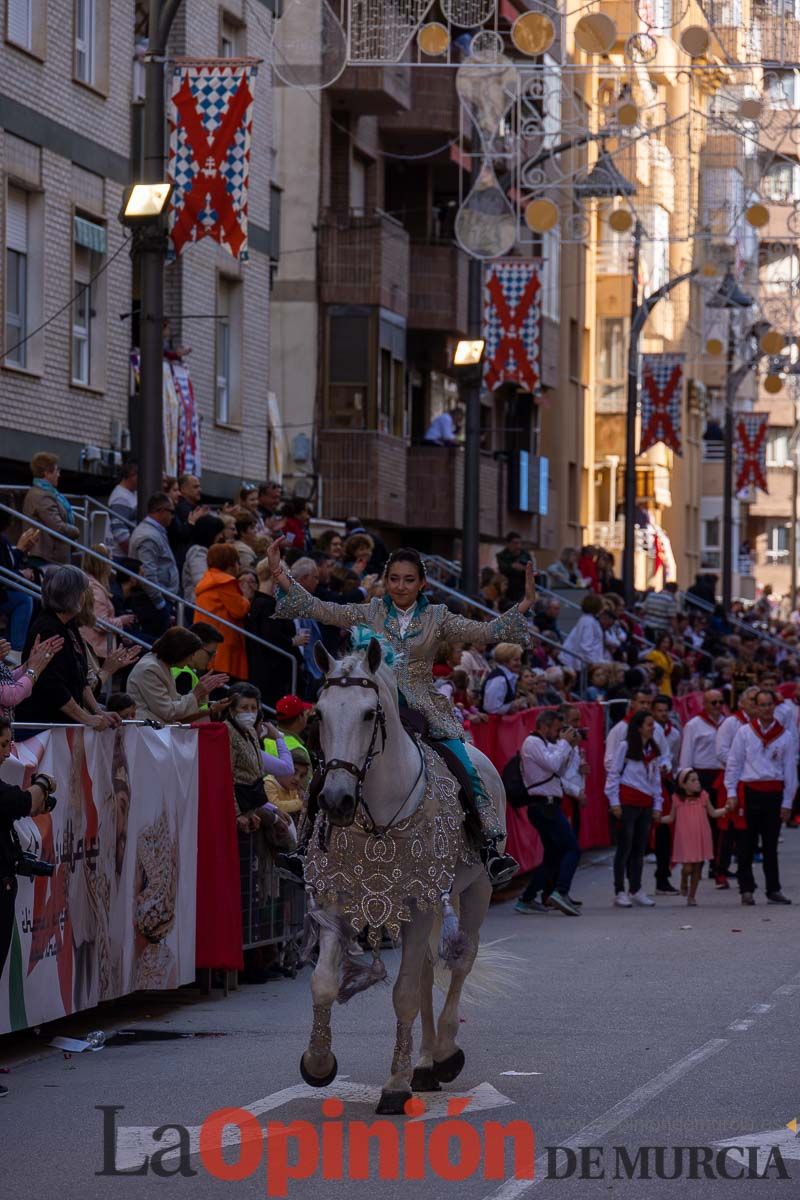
x,y
273,906
178,601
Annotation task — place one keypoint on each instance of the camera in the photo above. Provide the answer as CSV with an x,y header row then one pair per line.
x,y
30,866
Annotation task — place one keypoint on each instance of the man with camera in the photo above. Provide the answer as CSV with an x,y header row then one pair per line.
x,y
545,759
15,803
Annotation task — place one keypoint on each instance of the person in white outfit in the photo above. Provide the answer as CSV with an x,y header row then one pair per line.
x,y
585,643
640,702
633,787
665,723
763,761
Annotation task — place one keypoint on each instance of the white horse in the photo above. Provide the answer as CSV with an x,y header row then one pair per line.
x,y
382,776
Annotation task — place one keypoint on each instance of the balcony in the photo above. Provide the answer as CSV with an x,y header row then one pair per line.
x,y
434,107
364,260
363,472
438,288
372,91
779,36
436,491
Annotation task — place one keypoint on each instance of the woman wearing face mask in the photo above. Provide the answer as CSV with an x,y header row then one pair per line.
x,y
415,628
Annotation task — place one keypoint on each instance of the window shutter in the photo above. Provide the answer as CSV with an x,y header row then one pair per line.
x,y
17,220
19,22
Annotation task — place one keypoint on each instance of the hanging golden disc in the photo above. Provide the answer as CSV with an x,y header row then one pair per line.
x,y
773,384
695,40
433,39
757,215
627,115
714,347
709,269
772,342
620,220
533,33
596,34
751,109
541,215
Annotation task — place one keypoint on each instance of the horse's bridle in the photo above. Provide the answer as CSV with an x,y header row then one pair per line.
x,y
360,773
379,725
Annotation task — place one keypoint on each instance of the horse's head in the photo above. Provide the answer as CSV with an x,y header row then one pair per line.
x,y
351,727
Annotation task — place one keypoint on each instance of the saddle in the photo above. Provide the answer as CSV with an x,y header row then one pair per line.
x,y
415,724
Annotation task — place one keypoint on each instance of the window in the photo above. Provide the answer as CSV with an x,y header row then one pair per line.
x,y
551,274
710,555
782,89
655,246
611,363
228,351
88,309
777,447
613,246
85,41
19,22
231,36
16,278
359,167
780,182
777,542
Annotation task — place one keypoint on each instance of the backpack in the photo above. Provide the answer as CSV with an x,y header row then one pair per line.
x,y
516,792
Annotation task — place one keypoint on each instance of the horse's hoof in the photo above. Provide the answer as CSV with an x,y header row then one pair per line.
x,y
318,1081
392,1104
450,1068
424,1080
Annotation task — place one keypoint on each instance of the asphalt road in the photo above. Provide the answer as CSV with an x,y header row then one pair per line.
x,y
669,1027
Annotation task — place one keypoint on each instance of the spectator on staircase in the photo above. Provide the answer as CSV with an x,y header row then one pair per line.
x,y
46,504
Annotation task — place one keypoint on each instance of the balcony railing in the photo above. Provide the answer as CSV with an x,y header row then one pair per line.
x,y
713,452
363,472
364,260
436,490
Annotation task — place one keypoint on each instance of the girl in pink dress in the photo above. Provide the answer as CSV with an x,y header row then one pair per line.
x,y
692,844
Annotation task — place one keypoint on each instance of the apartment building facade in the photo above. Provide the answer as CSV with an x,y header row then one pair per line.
x,y
71,93
370,299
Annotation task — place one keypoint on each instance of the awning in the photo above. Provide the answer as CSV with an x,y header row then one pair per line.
x,y
90,234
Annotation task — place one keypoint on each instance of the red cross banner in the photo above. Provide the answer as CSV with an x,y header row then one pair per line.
x,y
750,444
211,124
511,323
661,393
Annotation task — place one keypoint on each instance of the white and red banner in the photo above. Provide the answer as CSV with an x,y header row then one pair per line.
x,y
750,445
211,125
511,323
118,914
661,395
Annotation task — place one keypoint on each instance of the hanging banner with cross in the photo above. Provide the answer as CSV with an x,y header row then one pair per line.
x,y
750,444
661,394
511,323
211,125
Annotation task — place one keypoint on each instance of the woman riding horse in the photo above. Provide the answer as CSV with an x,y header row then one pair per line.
x,y
415,629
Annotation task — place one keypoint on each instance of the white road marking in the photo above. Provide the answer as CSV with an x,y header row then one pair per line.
x,y
134,1142
760,1009
785,1139
520,1072
740,1026
593,1133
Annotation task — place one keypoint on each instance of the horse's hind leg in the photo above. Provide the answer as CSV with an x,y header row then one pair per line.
x,y
406,997
448,1058
423,1079
318,1064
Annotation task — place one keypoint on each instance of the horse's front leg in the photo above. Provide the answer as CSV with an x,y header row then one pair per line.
x,y
406,997
423,1079
318,1064
448,1058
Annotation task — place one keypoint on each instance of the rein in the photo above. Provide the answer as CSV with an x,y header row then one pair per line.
x,y
360,773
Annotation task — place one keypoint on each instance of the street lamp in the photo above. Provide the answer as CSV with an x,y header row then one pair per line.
x,y
144,202
467,361
731,297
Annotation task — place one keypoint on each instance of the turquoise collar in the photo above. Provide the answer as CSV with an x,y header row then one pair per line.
x,y
419,607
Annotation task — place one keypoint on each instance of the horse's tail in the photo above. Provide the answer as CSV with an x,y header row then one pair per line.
x,y
495,973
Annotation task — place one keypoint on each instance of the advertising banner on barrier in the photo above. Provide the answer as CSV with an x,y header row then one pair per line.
x,y
118,913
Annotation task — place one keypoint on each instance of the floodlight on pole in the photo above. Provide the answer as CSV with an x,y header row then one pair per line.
x,y
469,352
145,202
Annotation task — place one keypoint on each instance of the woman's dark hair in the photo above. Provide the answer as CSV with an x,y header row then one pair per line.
x,y
405,555
207,633
118,702
592,604
661,637
244,521
176,645
636,747
207,529
326,537
5,724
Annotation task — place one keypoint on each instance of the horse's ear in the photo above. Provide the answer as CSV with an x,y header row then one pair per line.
x,y
322,658
374,654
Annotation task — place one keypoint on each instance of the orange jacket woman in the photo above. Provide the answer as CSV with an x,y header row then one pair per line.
x,y
220,594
